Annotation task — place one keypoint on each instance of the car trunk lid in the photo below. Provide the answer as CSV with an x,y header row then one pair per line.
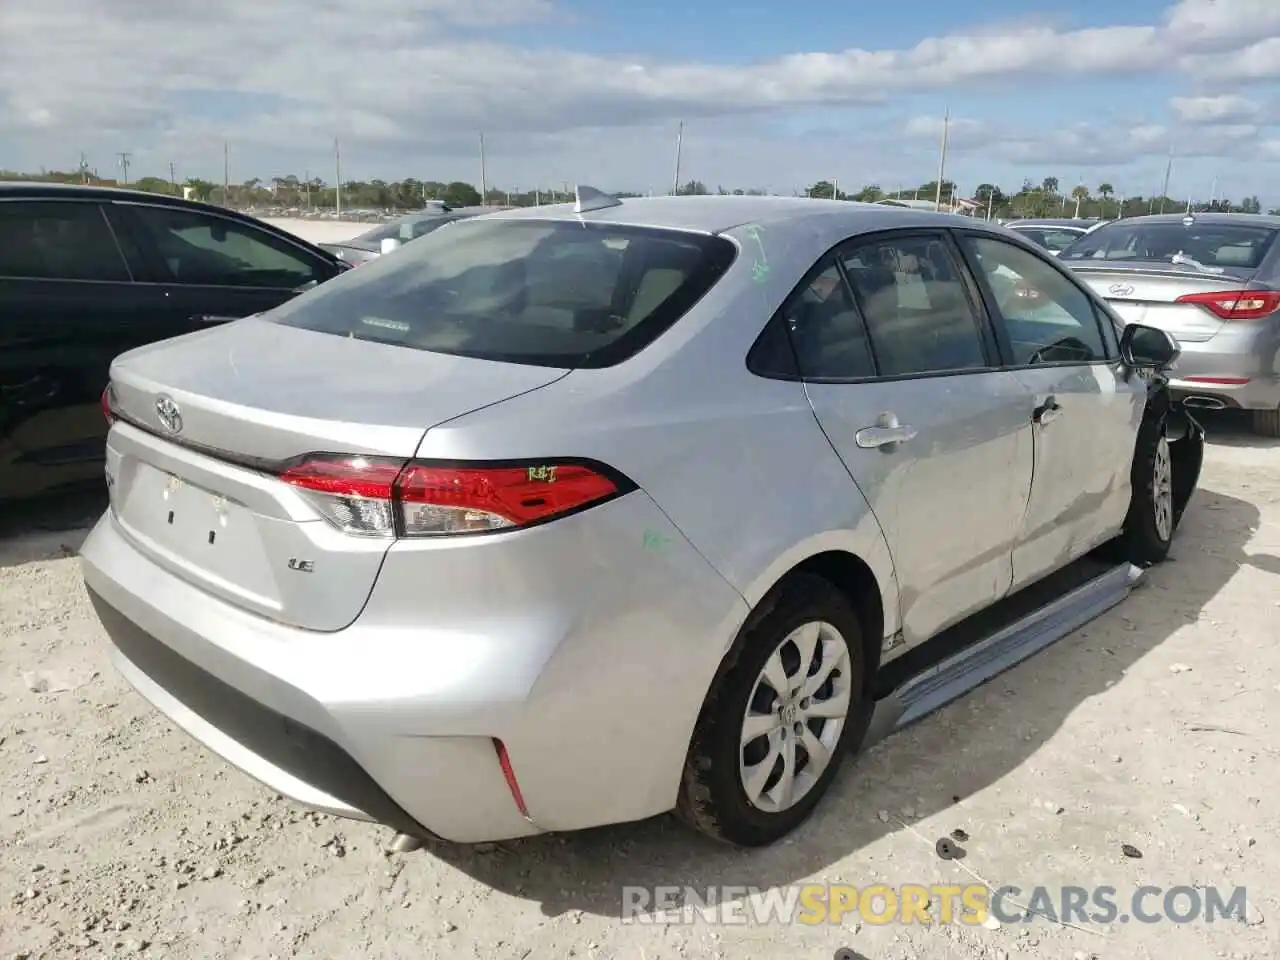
x,y
204,501
1148,294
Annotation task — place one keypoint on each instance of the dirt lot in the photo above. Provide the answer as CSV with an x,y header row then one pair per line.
x,y
1157,726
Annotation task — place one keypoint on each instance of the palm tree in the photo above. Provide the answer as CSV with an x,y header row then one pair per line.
x,y
1105,190
1081,194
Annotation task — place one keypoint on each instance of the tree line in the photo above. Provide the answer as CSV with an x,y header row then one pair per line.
x,y
1043,199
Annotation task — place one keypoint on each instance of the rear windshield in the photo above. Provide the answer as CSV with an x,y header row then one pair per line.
x,y
551,293
1225,246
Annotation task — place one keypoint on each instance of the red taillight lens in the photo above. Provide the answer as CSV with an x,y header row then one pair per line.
x,y
371,496
107,412
1237,304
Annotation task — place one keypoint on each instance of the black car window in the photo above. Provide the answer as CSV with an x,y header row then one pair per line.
x,y
58,240
917,310
547,292
1049,319
828,336
196,248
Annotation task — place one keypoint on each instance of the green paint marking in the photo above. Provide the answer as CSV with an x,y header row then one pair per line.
x,y
655,541
760,267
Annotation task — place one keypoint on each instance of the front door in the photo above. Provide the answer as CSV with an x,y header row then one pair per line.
x,y
1085,414
899,364
206,270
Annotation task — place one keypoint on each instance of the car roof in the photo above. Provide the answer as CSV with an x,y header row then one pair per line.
x,y
718,214
1265,221
1080,224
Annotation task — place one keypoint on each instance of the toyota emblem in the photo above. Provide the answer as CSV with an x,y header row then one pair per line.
x,y
1120,289
169,413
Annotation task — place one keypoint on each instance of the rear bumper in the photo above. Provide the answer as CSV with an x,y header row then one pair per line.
x,y
394,718
1228,357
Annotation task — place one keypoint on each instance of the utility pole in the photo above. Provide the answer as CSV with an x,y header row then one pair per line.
x,y
84,168
1168,171
484,175
226,173
124,167
173,176
942,159
306,184
337,177
675,185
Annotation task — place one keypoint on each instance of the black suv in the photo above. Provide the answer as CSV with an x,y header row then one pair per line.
x,y
87,273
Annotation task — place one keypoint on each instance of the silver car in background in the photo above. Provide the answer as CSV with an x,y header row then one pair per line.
x,y
370,244
1054,235
1213,281
578,514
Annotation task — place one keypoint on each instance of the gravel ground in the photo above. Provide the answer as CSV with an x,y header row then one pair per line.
x,y
1154,726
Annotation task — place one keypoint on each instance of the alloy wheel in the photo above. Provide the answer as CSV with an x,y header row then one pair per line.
x,y
795,715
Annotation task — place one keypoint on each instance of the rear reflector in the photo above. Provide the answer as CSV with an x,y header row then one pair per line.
x,y
1223,381
509,774
107,412
1237,304
371,496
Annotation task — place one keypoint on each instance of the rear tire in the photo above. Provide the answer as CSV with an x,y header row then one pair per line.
x,y
761,759
1266,423
1152,518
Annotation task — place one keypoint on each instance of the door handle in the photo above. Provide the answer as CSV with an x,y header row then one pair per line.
x,y
210,318
871,438
1047,412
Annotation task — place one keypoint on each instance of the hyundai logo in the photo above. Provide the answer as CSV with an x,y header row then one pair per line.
x,y
169,413
1120,289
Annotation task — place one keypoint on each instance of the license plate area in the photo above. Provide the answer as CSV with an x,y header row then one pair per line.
x,y
188,519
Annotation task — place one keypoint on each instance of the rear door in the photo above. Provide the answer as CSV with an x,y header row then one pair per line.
x,y
902,373
206,269
1085,414
67,308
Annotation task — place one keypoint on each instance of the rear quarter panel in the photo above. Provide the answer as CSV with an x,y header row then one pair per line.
x,y
737,462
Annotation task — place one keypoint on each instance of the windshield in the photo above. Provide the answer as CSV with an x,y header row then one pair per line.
x,y
552,293
1208,244
406,228
1051,238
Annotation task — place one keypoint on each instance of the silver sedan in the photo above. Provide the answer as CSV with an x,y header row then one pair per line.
x,y
575,515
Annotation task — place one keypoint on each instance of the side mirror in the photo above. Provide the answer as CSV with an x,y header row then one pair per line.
x,y
389,245
1150,347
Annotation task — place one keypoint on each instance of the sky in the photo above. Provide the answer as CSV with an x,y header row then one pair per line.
x,y
772,95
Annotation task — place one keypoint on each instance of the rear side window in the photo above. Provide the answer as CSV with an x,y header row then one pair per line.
x,y
1218,246
912,295
199,249
58,240
551,293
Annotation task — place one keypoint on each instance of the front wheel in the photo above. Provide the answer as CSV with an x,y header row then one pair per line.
x,y
779,719
1152,518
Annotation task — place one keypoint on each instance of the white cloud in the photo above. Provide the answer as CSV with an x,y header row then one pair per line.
x,y
1227,108
416,79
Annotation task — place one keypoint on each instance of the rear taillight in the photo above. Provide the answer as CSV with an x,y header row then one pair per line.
x,y
1237,304
372,496
107,410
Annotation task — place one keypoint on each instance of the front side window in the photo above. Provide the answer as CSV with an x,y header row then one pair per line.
x,y
917,310
1049,319
201,249
58,240
547,292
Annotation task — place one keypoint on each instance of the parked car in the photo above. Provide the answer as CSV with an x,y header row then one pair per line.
x,y
1213,281
368,245
87,273
573,515
1054,235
